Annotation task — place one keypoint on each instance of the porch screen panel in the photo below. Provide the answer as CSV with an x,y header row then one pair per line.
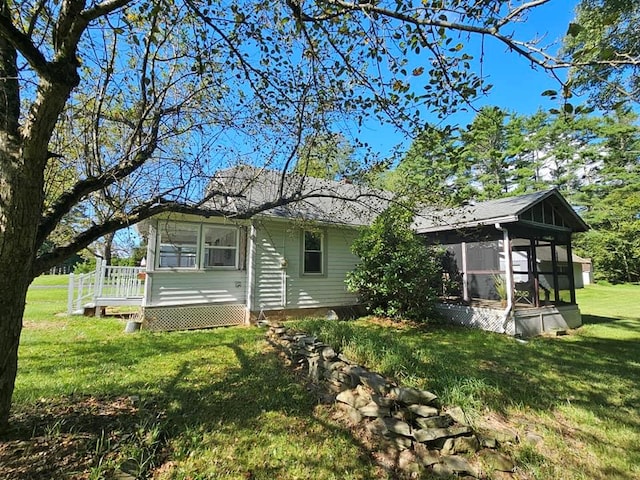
x,y
483,263
548,285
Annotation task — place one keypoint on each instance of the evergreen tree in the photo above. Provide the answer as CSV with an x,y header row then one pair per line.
x,y
484,148
433,170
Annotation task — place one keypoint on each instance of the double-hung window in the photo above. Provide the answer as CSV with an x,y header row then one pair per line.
x,y
313,252
220,246
178,245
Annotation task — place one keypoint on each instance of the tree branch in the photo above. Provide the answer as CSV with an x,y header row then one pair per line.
x,y
103,8
82,188
23,44
527,50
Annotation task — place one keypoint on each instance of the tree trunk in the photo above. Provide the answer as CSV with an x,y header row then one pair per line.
x,y
11,310
107,253
19,208
23,157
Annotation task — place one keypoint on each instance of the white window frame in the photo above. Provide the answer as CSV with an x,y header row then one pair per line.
x,y
322,251
162,230
236,247
199,229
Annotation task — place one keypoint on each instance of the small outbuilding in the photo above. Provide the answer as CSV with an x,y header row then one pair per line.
x,y
509,263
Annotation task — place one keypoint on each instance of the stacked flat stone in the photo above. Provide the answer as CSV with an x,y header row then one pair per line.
x,y
406,420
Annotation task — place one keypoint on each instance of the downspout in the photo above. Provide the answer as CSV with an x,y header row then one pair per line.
x,y
506,246
251,268
465,277
150,265
283,269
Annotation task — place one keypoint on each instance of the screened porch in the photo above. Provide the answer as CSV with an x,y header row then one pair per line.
x,y
508,263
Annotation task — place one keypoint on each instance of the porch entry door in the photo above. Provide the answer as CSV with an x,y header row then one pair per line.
x,y
525,275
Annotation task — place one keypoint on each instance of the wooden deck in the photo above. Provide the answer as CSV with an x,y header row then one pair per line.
x,y
108,286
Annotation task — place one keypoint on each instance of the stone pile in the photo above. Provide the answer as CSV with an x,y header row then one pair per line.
x,y
407,421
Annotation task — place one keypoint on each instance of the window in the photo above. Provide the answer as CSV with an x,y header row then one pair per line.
x,y
178,245
313,252
192,246
220,246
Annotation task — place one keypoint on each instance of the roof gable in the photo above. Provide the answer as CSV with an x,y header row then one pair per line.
x,y
543,209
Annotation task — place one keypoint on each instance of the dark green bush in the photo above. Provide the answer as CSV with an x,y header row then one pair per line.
x,y
398,275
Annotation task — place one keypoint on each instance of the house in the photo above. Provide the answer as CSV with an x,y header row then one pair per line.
x,y
273,245
212,270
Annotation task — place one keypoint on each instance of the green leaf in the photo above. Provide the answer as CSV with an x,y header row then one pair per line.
x,y
574,29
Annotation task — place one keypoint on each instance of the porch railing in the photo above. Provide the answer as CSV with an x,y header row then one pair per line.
x,y
108,285
81,291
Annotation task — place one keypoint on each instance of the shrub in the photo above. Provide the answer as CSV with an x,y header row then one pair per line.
x,y
398,274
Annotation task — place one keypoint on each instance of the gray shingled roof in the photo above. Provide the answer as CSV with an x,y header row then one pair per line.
x,y
320,200
245,188
503,210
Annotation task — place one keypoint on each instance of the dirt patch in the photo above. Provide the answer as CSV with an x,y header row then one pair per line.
x,y
67,438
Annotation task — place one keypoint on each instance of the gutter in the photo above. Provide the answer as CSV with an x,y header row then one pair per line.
x,y
508,311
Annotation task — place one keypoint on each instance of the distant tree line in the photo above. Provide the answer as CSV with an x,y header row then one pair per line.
x,y
593,160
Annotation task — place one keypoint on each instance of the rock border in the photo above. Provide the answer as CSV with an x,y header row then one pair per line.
x,y
411,424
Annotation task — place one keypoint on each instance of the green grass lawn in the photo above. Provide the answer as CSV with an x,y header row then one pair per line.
x,y
51,281
220,404
578,392
203,404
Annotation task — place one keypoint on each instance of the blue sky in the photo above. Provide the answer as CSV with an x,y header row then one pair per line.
x,y
517,86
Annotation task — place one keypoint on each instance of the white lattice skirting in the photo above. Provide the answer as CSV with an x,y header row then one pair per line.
x,y
476,317
192,317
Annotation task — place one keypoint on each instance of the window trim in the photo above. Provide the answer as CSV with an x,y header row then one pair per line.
x,y
323,253
194,227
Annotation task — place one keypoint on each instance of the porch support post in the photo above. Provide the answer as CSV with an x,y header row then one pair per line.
x,y
554,267
97,281
508,265
251,268
572,280
465,285
533,259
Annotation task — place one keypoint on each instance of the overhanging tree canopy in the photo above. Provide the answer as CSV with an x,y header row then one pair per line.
x,y
138,102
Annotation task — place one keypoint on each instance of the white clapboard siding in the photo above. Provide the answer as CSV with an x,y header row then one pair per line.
x,y
270,248
278,288
193,288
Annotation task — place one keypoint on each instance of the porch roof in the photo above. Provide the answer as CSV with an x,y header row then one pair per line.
x,y
518,209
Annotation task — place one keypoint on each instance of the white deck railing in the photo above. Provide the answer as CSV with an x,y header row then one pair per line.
x,y
81,291
108,286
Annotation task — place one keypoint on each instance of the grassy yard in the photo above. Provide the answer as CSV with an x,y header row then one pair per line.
x,y
219,403
579,392
202,404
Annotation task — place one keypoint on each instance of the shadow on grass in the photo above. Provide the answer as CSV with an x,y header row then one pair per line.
x,y
226,407
623,323
591,370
